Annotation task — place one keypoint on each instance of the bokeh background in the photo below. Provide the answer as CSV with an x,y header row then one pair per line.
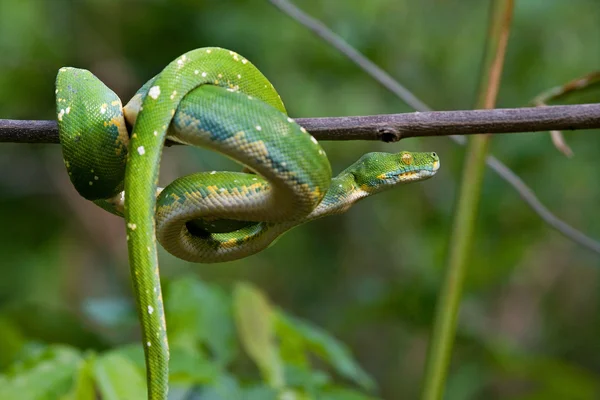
x,y
530,318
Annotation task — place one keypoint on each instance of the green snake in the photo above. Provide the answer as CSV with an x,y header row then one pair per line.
x,y
214,98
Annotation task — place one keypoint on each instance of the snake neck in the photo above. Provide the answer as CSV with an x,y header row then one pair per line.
x,y
343,193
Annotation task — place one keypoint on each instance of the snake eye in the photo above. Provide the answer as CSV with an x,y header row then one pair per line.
x,y
434,155
407,158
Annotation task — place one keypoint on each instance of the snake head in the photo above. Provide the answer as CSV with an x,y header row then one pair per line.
x,y
376,171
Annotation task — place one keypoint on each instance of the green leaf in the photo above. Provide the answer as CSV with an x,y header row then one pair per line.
x,y
550,378
316,340
11,342
343,394
118,378
45,376
200,314
261,392
191,367
311,381
53,325
83,389
225,388
254,318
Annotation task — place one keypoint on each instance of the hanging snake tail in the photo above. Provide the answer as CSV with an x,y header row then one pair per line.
x,y
160,99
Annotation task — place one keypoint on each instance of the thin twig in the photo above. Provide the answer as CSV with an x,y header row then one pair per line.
x,y
558,92
382,77
388,127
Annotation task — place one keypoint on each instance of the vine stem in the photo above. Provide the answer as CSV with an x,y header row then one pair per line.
x,y
461,238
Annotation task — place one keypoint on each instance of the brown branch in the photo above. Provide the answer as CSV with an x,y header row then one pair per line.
x,y
389,127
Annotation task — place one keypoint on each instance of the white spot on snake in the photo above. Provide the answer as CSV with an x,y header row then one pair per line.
x,y
67,110
96,177
290,120
213,172
254,179
141,151
249,97
321,152
91,183
283,164
103,108
150,310
180,63
314,140
173,94
149,344
208,50
244,61
258,128
239,76
155,133
204,74
127,237
236,58
340,185
131,226
63,69
155,289
56,91
60,114
154,92
220,75
303,130
196,72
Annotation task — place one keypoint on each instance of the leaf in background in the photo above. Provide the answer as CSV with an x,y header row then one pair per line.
x,y
262,392
53,325
255,323
83,388
45,376
225,388
118,378
319,342
200,313
191,367
343,394
111,312
11,342
549,378
311,381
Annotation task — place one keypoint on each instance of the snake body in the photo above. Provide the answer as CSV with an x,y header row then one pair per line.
x,y
214,98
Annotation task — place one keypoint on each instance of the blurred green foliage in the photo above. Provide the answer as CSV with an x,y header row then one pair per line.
x,y
530,319
202,322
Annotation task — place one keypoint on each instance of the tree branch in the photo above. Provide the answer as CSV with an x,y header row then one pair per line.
x,y
390,127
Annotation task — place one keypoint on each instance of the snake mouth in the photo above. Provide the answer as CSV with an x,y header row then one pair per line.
x,y
415,175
